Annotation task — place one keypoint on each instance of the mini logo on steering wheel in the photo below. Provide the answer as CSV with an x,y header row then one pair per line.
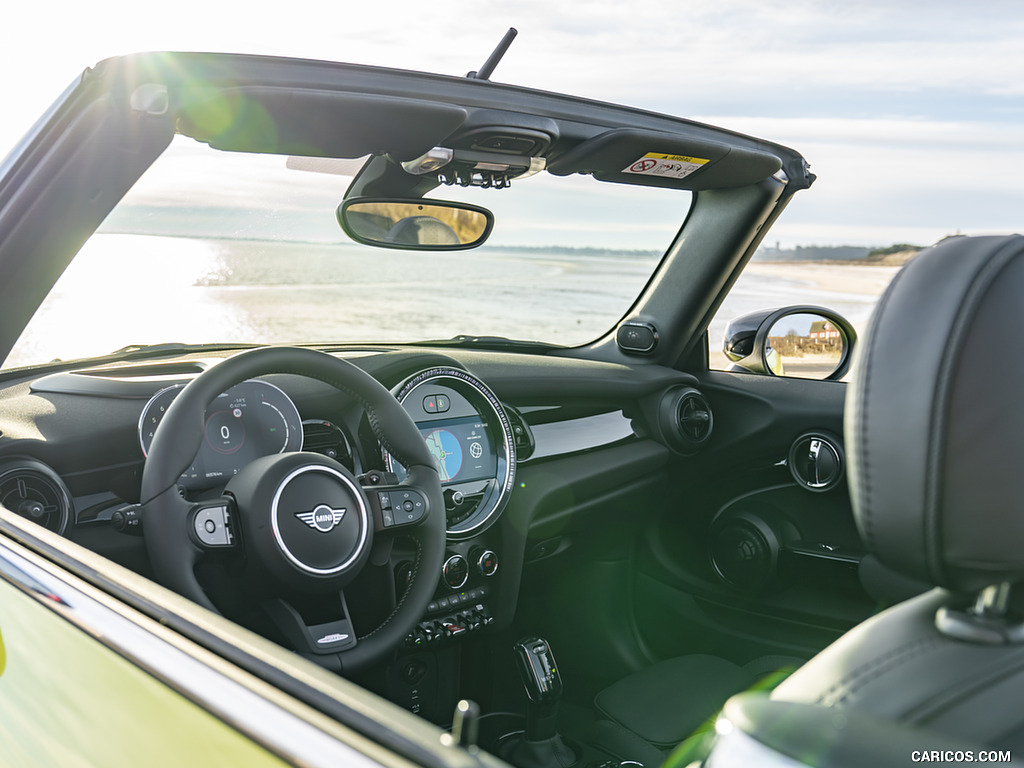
x,y
322,518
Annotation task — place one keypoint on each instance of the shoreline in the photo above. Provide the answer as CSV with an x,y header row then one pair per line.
x,y
860,279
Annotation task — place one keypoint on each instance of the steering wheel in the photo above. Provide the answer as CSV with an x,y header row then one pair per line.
x,y
304,521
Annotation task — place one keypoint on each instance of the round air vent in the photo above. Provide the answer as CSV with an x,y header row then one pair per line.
x,y
816,461
32,490
694,416
686,419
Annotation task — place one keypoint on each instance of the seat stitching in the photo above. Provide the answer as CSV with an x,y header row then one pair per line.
x,y
958,693
851,683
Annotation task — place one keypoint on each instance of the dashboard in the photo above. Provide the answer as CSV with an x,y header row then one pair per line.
x,y
547,463
73,445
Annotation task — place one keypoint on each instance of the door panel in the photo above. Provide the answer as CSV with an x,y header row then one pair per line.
x,y
743,561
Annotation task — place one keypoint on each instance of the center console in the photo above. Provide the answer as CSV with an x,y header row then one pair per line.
x,y
461,604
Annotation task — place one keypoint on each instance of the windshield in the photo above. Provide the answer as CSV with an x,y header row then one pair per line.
x,y
221,247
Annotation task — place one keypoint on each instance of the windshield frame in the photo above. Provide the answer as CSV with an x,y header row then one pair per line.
x,y
509,293
104,135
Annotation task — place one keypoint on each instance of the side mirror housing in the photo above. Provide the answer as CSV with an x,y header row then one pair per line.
x,y
804,342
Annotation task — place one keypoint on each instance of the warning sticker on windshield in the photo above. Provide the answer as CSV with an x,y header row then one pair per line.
x,y
668,166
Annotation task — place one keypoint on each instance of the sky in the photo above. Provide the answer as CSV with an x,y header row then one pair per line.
x,y
911,112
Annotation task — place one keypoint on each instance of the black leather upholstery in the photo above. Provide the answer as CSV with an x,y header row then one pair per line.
x,y
935,442
934,419
695,683
649,713
762,732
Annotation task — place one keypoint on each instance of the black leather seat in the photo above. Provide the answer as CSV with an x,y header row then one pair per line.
x,y
647,715
934,429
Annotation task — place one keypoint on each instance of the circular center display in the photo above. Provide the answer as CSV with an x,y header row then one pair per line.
x,y
468,434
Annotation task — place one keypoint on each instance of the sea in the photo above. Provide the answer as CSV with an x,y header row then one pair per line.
x,y
125,289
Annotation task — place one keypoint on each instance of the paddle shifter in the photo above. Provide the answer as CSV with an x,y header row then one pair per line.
x,y
540,746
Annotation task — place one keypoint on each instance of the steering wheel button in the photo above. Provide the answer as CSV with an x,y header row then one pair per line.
x,y
408,505
210,526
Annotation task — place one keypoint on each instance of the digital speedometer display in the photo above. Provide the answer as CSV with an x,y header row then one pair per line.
x,y
250,420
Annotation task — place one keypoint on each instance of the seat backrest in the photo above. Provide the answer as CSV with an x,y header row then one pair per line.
x,y
934,429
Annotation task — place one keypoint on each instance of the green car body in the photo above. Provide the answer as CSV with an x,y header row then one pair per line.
x,y
88,703
101,668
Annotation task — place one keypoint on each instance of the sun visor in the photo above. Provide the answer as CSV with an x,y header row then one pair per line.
x,y
657,159
315,123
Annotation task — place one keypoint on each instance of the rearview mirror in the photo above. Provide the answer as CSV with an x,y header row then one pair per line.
x,y
427,225
800,342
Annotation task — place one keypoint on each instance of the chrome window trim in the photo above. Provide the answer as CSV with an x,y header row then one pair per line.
x,y
274,727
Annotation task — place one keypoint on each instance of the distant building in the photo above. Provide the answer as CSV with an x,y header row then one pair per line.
x,y
823,330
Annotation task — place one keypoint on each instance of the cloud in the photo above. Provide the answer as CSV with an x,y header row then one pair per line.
x,y
909,109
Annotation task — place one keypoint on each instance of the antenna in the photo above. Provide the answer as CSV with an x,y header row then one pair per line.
x,y
492,61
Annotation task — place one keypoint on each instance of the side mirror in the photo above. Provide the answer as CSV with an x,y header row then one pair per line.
x,y
423,225
803,342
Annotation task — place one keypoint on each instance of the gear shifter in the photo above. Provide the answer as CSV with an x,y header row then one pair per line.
x,y
540,746
543,686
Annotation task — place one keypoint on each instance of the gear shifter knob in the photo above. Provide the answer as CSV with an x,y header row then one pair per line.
x,y
537,669
539,746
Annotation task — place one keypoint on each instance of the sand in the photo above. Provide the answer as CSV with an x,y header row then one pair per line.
x,y
841,278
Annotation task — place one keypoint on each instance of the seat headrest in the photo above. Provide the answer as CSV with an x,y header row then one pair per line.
x,y
934,417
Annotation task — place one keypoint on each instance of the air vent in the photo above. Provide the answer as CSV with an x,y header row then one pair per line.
x,y
694,415
686,419
520,433
324,437
816,461
32,490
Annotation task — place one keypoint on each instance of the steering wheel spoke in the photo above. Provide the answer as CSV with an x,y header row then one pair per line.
x,y
323,637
